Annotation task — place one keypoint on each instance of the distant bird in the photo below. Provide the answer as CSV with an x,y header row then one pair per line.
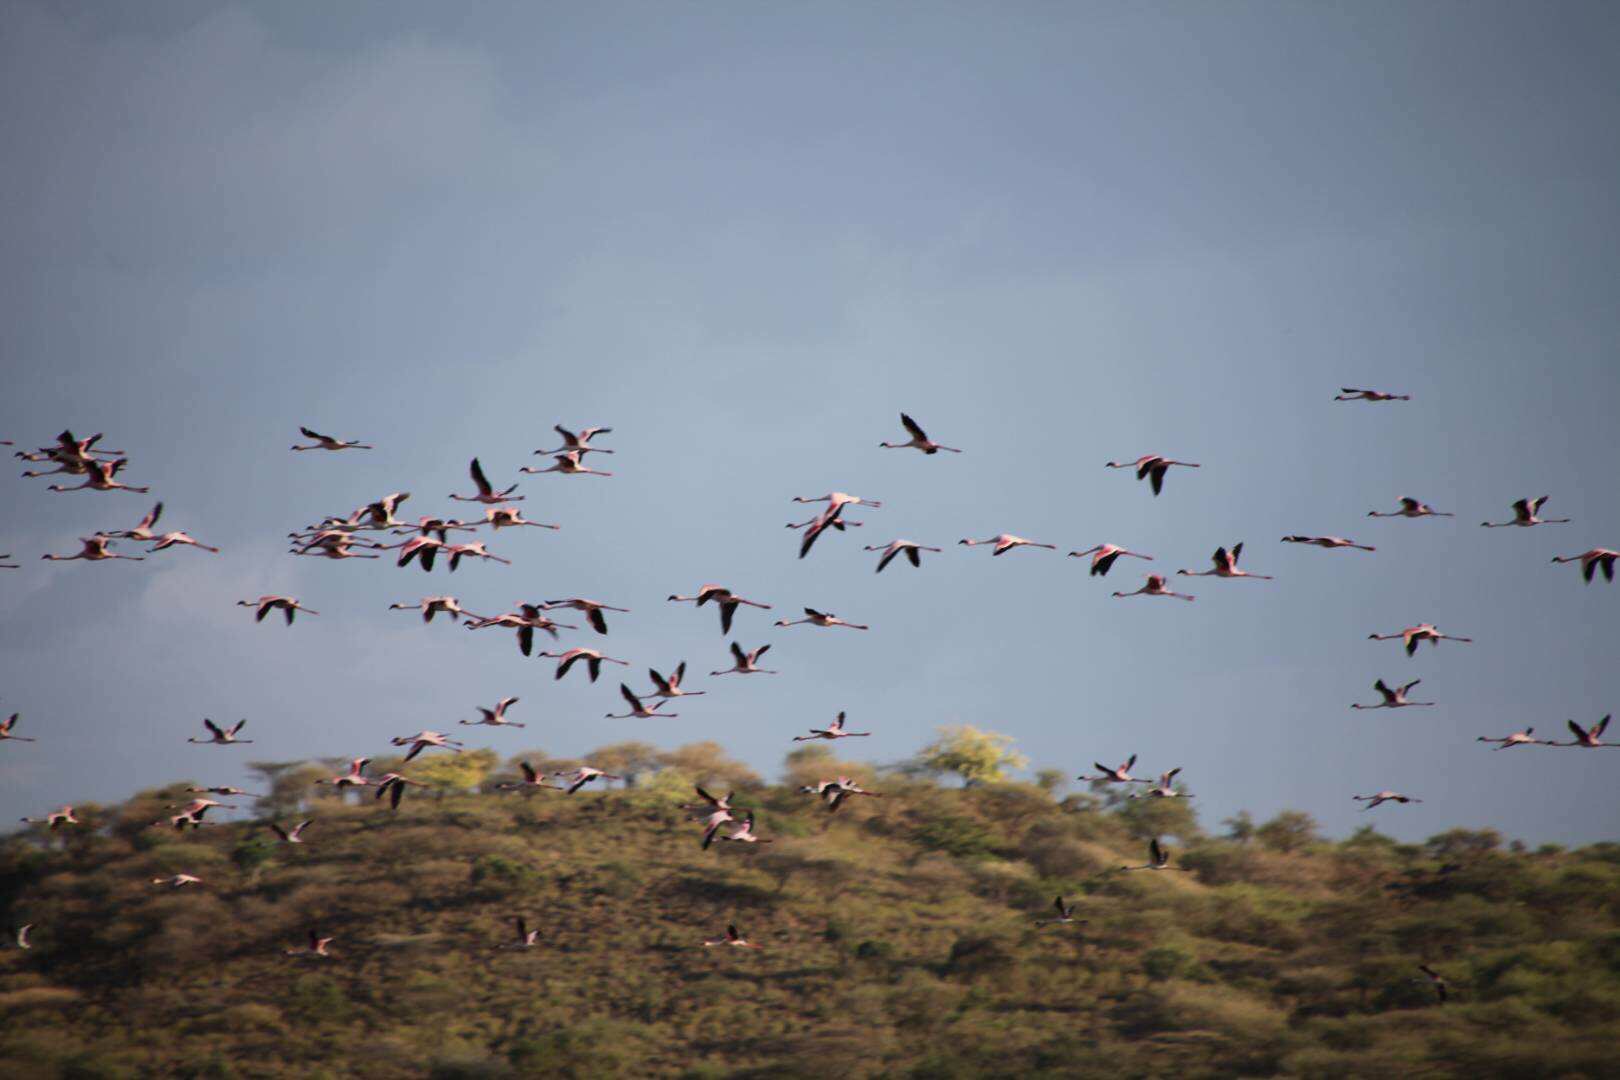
x,y
335,549
592,610
912,549
430,606
919,439
474,550
94,550
393,785
264,605
355,777
1518,738
593,661
486,492
1350,393
506,517
638,710
832,519
100,476
1065,914
1524,515
174,539
1163,790
8,728
327,442
584,775
9,566
747,662
424,549
820,618
723,802
837,790
732,938
1158,859
526,938
1226,565
495,717
295,835
671,687
143,528
1435,980
197,808
1151,467
178,881
1591,561
531,780
315,950
835,499
744,833
1412,508
222,736
527,619
1155,586
568,464
63,816
1327,542
1119,775
1393,698
834,730
424,739
1414,636
1103,557
577,444
381,513
826,519
724,598
712,823
1383,797
22,935
223,790
1005,542
1590,738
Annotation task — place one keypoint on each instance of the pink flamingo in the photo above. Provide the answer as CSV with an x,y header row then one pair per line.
x,y
1382,797
1103,557
475,550
8,729
747,662
1152,467
671,687
1591,738
506,517
1524,515
486,492
1226,565
526,938
1350,393
1119,775
531,780
638,710
430,606
495,717
568,464
355,777
1005,542
744,833
264,605
577,444
1327,542
315,950
424,739
592,608
1164,790
95,549
584,775
143,529
838,499
1155,586
821,618
593,661
1412,508
834,730
919,439
172,539
1517,738
724,598
393,785
219,736
732,938
63,816
1413,636
327,442
1393,698
1158,858
912,549
99,476
1065,914
1590,562
294,835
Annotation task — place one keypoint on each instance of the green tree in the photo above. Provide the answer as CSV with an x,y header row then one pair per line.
x,y
978,757
1289,831
708,763
446,773
1240,827
627,759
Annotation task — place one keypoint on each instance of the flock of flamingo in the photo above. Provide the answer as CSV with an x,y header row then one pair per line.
x,y
429,539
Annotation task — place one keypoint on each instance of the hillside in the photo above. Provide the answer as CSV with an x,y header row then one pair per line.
x,y
899,939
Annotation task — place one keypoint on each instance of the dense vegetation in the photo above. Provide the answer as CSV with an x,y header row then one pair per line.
x,y
899,936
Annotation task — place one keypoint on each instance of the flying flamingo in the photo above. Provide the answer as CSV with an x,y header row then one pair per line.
x,y
1393,698
526,938
506,517
747,662
1413,636
486,492
1065,914
1383,797
531,780
355,777
315,950
1591,738
1412,508
63,816
9,566
143,529
711,824
527,619
94,550
1155,586
295,835
593,661
424,739
264,605
1518,738
1327,542
568,464
592,608
393,785
836,791
337,549
495,717
912,549
820,618
1350,393
327,442
837,499
1118,775
1591,561
1163,790
638,710
1158,859
1103,557
731,938
475,550
577,444
171,539
919,439
381,512
222,736
1226,565
8,726
1435,980
834,730
1524,515
832,519
99,476
223,790
585,775
744,833
424,549
430,606
724,598
196,808
1151,467
178,881
22,936
1005,542
671,687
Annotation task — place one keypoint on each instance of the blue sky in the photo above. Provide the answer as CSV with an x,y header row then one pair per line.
x,y
746,237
